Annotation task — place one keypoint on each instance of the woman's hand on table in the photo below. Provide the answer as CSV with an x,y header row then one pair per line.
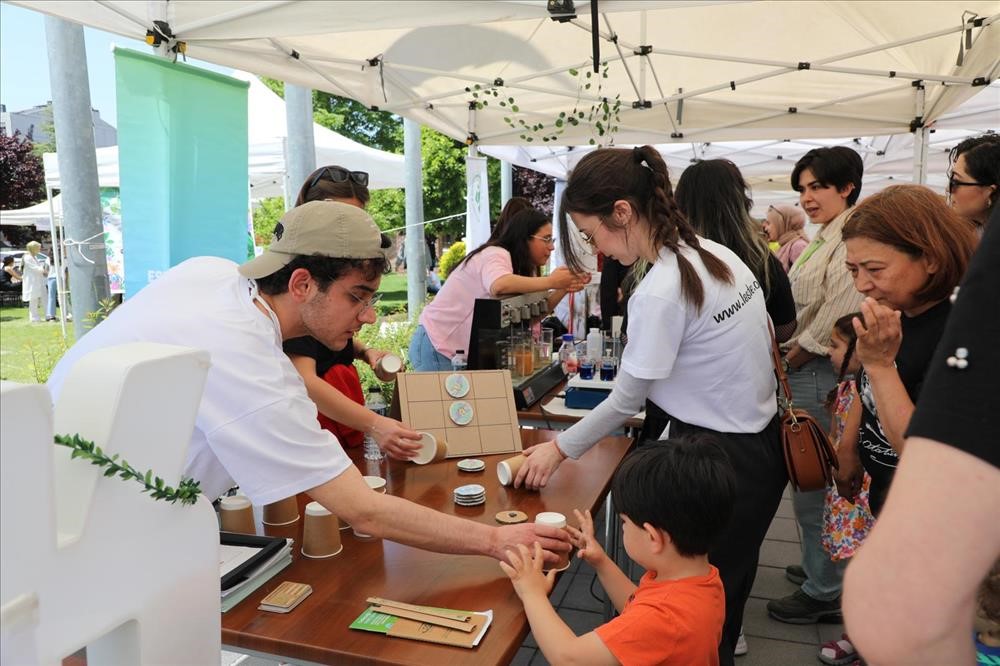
x,y
879,335
525,571
539,464
583,538
395,439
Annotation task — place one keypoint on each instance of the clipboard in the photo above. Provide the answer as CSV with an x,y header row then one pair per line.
x,y
267,547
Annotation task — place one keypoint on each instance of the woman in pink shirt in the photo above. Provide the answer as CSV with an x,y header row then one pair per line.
x,y
506,265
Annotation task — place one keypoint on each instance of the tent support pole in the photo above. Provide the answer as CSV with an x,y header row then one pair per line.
x,y
506,182
301,145
920,135
72,117
57,260
416,281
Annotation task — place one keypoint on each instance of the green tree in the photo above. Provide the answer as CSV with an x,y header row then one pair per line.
x,y
22,177
265,217
48,127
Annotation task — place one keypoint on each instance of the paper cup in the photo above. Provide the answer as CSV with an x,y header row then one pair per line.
x,y
282,512
236,515
320,532
432,449
388,366
557,520
376,483
507,469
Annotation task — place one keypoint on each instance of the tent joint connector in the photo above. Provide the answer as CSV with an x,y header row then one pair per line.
x,y
918,84
498,82
805,65
980,81
677,135
644,49
916,123
472,106
373,108
471,139
294,54
613,39
732,85
978,22
793,109
892,73
642,104
373,62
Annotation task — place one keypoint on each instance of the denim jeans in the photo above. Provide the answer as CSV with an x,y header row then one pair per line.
x,y
50,309
423,356
810,385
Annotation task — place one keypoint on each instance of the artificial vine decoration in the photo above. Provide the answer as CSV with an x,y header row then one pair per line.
x,y
603,113
187,492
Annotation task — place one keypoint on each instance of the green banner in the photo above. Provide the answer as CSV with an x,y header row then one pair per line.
x,y
183,160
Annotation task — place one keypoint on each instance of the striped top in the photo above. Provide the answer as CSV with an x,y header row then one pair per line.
x,y
823,288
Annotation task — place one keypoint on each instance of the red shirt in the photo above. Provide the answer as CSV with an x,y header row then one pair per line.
x,y
669,622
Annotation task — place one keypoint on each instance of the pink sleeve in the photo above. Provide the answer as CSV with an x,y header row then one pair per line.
x,y
496,263
798,247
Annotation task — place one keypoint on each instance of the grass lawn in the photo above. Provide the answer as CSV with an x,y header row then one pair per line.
x,y
28,352
393,290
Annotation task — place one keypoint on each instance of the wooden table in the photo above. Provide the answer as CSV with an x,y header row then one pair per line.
x,y
317,630
536,417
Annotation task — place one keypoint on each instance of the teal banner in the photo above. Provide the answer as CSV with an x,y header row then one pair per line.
x,y
183,161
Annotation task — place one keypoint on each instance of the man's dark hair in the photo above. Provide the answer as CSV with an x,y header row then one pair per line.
x,y
324,270
836,166
684,486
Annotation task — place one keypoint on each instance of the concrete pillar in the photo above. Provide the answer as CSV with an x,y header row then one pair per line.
x,y
416,246
301,146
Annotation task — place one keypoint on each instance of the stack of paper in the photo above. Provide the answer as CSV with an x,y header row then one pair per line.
x,y
234,556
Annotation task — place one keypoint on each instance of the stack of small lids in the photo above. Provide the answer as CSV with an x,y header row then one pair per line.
x,y
471,465
470,495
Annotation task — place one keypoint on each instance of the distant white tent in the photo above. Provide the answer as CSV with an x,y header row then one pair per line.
x,y
37,215
267,133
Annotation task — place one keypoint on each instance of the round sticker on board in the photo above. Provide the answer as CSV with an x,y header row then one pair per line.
x,y
460,412
456,385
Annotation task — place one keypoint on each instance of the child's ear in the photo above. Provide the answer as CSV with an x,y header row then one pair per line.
x,y
658,539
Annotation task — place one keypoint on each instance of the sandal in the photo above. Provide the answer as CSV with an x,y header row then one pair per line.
x,y
838,653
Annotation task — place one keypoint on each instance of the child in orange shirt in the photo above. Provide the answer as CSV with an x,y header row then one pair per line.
x,y
674,497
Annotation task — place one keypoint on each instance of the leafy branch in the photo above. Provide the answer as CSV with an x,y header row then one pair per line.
x,y
187,492
603,114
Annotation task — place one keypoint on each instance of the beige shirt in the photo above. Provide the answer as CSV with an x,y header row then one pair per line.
x,y
823,288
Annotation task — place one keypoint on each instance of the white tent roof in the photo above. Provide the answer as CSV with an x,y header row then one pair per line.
x,y
37,215
710,71
267,131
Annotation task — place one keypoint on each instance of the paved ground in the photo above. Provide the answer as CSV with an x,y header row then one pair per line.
x,y
772,643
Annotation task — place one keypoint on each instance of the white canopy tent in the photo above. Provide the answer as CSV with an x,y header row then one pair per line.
x,y
37,215
267,132
683,71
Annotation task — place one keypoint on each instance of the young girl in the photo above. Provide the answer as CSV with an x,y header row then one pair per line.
x,y
509,263
846,515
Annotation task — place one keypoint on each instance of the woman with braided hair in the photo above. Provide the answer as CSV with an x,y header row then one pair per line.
x,y
698,355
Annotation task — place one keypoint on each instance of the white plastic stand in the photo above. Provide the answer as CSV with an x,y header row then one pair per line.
x,y
89,561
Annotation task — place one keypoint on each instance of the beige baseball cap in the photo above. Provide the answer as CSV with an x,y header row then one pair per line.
x,y
325,228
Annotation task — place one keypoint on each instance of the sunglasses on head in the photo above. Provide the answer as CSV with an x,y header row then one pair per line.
x,y
339,175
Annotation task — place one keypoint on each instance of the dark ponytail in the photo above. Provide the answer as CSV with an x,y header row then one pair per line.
x,y
640,177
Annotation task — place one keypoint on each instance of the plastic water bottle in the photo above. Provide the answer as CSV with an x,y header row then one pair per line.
x,y
567,355
376,403
458,361
594,345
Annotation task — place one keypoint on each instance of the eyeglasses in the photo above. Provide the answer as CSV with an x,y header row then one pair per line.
x,y
953,183
365,303
548,240
589,238
337,174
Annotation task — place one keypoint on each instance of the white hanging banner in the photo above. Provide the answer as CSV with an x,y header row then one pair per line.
x,y
477,203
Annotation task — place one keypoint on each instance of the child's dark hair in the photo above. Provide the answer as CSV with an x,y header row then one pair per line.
x,y
684,486
845,328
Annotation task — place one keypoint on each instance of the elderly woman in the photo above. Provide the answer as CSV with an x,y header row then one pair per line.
x,y
783,225
974,178
34,269
906,252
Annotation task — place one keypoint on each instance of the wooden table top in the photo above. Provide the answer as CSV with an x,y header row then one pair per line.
x,y
317,630
534,414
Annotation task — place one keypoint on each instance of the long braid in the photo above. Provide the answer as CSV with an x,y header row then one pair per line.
x,y
670,227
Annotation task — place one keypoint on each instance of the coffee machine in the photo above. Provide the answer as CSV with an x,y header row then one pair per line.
x,y
500,326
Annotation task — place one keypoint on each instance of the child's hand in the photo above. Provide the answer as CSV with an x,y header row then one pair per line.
x,y
584,539
525,572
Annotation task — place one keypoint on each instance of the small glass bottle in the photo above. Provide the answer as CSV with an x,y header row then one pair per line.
x,y
375,402
567,355
458,361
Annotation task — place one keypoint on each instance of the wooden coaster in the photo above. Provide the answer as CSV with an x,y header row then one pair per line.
x,y
511,517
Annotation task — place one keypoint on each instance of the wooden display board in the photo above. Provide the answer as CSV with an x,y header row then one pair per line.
x,y
421,400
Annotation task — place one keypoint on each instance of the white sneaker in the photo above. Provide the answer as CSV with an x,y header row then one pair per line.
x,y
741,645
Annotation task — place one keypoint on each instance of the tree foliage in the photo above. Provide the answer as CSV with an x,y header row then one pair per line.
x,y
265,216
22,176
536,187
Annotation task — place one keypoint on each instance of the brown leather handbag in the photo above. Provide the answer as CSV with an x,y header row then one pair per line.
x,y
809,456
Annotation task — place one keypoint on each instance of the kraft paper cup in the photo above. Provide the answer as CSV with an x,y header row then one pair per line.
x,y
320,532
507,469
388,366
236,515
557,520
282,512
432,449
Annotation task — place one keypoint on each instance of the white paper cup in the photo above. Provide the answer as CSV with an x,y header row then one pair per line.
x,y
320,532
557,520
376,483
432,449
236,515
388,366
